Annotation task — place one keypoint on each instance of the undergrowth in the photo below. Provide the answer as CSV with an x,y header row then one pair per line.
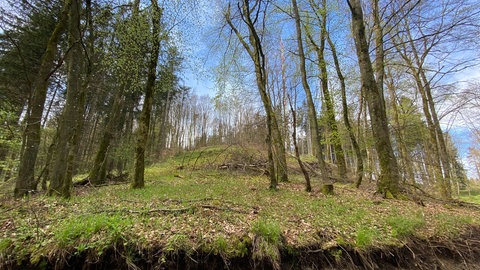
x,y
194,203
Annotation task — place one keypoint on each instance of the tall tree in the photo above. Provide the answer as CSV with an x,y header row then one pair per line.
x,y
250,14
389,178
312,112
144,122
321,14
25,180
72,115
345,113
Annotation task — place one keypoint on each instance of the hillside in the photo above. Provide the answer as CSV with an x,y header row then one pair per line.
x,y
211,208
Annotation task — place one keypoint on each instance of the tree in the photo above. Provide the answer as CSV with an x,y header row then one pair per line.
x,y
25,180
322,65
144,122
389,178
345,113
72,115
312,113
250,14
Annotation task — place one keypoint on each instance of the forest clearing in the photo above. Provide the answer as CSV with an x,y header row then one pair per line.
x,y
195,213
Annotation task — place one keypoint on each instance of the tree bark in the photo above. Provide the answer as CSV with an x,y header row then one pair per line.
x,y
346,119
69,123
32,133
144,122
312,113
389,179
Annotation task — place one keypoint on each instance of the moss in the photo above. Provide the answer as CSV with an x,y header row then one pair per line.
x,y
327,189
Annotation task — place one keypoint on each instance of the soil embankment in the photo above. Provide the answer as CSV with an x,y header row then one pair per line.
x,y
462,253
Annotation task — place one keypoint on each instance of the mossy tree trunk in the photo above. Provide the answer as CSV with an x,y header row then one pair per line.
x,y
389,174
312,113
346,119
98,173
69,123
334,136
144,122
25,181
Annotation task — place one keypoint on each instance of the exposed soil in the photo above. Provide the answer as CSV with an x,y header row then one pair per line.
x,y
462,253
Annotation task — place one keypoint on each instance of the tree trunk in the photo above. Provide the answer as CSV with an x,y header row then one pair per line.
x,y
404,155
61,180
346,120
330,112
25,180
312,113
144,122
98,173
308,186
275,143
389,178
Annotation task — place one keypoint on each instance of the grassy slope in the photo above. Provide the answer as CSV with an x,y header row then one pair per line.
x,y
224,212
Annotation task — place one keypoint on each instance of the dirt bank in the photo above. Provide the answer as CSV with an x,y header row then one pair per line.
x,y
463,252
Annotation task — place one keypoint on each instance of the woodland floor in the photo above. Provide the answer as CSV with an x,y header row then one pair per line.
x,y
211,209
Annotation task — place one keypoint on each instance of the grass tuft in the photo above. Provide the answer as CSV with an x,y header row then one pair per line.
x,y
365,237
94,232
267,241
404,226
268,230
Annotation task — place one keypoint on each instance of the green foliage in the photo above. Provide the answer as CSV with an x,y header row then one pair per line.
x,y
267,240
268,230
365,237
10,139
472,199
451,225
336,253
472,194
403,226
178,242
5,244
94,232
220,245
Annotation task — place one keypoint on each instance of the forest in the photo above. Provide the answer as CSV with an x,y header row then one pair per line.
x,y
283,134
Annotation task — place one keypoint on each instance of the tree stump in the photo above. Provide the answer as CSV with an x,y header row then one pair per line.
x,y
327,189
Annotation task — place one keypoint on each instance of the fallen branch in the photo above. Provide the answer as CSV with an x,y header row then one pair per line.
x,y
158,210
213,207
174,210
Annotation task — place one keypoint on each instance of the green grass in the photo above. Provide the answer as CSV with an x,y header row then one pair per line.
x,y
189,205
472,198
268,230
365,237
96,231
403,226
